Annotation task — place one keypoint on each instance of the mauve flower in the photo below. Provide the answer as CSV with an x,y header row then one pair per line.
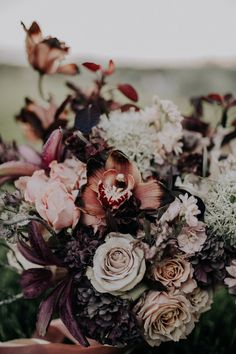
x,y
111,186
176,274
32,187
200,300
164,317
231,281
118,265
184,206
191,239
45,55
57,206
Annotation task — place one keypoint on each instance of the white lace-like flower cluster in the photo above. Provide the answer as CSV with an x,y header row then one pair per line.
x,y
152,134
220,203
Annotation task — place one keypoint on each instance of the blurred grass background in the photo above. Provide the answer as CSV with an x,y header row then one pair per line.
x,y
216,332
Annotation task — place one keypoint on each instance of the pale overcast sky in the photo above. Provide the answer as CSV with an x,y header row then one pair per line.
x,y
141,31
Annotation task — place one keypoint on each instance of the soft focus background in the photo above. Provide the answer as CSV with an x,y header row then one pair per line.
x,y
174,49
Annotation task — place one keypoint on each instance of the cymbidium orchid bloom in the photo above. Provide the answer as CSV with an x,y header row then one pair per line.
x,y
45,54
110,186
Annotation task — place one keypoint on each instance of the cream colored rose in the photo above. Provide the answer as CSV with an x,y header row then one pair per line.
x,y
164,317
191,239
176,274
57,206
118,265
200,300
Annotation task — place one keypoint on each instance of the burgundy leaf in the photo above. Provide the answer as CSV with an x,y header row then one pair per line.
x,y
35,281
52,148
213,97
67,317
47,307
92,66
128,91
29,253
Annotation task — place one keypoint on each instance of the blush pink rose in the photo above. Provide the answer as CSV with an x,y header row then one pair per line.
x,y
70,173
33,186
57,206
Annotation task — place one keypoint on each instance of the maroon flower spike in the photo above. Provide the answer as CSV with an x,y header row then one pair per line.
x,y
111,186
37,280
128,91
45,55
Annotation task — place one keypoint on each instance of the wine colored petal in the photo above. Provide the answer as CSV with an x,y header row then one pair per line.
x,y
35,281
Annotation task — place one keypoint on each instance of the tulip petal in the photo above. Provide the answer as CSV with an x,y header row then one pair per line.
x,y
120,162
53,147
47,307
152,195
67,317
17,168
68,69
35,281
39,252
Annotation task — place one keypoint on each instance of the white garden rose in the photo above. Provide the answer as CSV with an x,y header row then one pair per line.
x,y
164,317
118,265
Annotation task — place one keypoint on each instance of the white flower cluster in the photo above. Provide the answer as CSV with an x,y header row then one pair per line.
x,y
220,203
152,134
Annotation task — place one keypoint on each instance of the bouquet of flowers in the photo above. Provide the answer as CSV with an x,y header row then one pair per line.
x,y
124,222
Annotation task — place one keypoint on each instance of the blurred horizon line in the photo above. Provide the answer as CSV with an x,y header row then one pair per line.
x,y
15,57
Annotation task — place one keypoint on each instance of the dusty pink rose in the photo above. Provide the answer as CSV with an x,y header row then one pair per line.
x,y
231,281
176,274
57,206
33,186
164,317
63,173
191,239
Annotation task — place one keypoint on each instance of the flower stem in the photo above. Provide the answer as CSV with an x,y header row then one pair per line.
x,y
40,86
11,299
30,218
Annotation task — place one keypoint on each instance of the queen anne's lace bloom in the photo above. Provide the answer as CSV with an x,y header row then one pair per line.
x,y
152,134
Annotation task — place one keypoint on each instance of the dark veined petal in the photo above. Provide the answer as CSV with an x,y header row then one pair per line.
x,y
67,316
152,195
35,281
120,162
